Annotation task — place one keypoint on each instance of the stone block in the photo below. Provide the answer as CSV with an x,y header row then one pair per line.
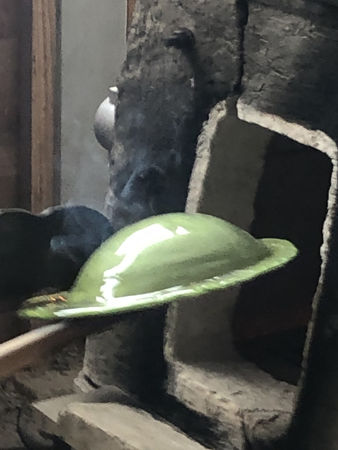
x,y
117,427
291,55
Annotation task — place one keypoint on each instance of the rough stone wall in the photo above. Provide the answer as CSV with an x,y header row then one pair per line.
x,y
290,86
282,65
291,61
165,94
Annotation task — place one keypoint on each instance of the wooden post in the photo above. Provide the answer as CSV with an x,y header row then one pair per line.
x,y
130,12
45,104
39,161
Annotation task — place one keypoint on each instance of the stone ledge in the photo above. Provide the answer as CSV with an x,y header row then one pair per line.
x,y
51,408
117,427
250,406
103,426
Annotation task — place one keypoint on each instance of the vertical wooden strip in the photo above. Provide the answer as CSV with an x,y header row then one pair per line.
x,y
8,18
9,101
45,104
57,105
130,12
25,172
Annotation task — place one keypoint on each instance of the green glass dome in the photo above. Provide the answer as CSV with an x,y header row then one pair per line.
x,y
161,259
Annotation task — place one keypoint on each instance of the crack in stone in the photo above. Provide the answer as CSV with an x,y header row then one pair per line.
x,y
242,20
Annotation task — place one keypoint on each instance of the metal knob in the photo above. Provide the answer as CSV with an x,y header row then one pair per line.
x,y
104,122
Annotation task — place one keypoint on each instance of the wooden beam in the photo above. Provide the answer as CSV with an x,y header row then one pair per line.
x,y
130,12
10,101
29,348
25,87
45,104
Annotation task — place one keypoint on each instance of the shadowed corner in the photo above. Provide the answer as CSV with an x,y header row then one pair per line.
x,y
43,253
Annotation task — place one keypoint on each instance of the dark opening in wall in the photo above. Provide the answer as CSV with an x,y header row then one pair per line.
x,y
271,313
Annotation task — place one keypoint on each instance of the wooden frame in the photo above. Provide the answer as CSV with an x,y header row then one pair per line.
x,y
40,100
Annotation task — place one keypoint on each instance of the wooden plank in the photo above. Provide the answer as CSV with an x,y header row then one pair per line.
x,y
45,104
130,11
9,76
9,111
28,348
9,18
25,88
8,171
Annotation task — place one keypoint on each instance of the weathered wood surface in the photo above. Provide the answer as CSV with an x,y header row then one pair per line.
x,y
45,103
9,98
29,94
29,348
130,12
